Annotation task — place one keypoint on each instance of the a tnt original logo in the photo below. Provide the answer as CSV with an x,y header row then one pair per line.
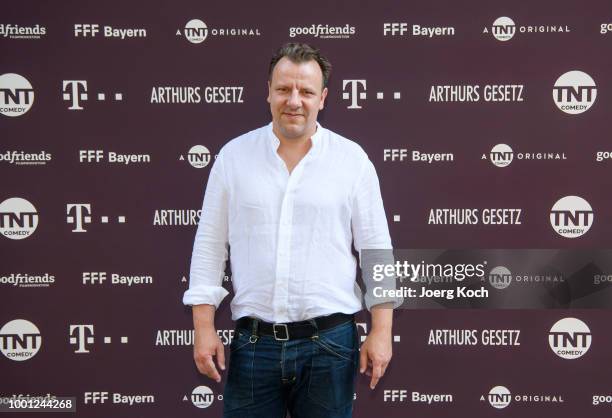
x,y
574,92
16,95
20,340
499,397
571,216
202,397
355,90
79,214
18,218
500,277
82,337
501,155
198,156
570,338
503,29
75,92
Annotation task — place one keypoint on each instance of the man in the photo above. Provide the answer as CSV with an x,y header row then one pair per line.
x,y
290,198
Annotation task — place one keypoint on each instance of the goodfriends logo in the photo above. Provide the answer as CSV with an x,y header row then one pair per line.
x,y
504,29
570,338
24,158
502,155
27,280
196,31
571,216
574,92
16,95
323,31
22,32
20,340
18,218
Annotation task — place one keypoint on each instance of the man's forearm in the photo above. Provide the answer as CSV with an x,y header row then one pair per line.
x,y
382,317
203,316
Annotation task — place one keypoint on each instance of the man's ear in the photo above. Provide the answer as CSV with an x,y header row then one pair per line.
x,y
323,97
269,90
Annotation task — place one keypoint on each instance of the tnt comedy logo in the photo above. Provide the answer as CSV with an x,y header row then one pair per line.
x,y
570,338
501,155
503,29
571,216
499,397
198,156
195,31
574,92
500,277
20,340
16,95
18,218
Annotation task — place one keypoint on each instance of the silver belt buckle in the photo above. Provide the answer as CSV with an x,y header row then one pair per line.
x,y
286,338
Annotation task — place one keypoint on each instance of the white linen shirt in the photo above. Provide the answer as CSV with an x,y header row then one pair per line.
x,y
289,235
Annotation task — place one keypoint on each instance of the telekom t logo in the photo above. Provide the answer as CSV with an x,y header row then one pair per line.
x,y
75,92
78,214
354,91
80,335
357,91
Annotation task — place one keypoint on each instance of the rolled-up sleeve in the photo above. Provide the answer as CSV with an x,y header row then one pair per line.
x,y
210,248
371,231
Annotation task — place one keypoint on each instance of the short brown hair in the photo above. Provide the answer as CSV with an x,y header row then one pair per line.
x,y
298,53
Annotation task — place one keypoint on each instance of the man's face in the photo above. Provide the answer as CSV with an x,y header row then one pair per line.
x,y
296,95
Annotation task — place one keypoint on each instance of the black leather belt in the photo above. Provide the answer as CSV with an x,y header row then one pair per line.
x,y
293,330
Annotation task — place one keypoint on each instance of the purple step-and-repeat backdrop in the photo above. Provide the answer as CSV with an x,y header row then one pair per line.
x,y
487,124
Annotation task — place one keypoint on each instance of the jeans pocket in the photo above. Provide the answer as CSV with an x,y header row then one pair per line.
x,y
332,373
238,391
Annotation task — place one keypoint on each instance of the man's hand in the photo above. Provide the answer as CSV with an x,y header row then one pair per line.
x,y
375,355
207,345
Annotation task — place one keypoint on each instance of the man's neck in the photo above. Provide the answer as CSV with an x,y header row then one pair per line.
x,y
295,143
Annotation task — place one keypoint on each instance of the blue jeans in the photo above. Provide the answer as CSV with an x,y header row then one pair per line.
x,y
309,377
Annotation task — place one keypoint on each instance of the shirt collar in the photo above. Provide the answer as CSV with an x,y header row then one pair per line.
x,y
316,138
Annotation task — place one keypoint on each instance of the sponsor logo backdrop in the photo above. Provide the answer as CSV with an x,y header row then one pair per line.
x,y
487,125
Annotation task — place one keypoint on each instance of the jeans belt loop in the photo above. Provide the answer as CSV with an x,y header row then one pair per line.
x,y
254,331
314,336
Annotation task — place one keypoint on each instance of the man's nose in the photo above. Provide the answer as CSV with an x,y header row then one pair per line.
x,y
294,99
